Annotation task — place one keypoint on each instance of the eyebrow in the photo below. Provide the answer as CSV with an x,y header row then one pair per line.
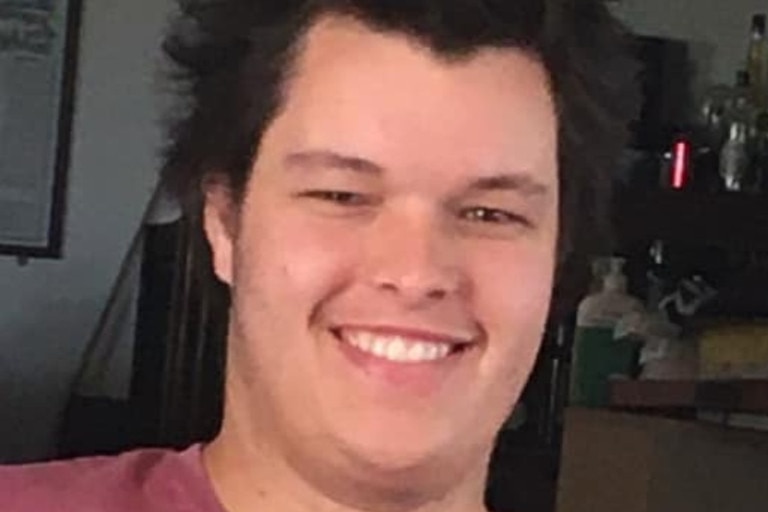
x,y
330,159
520,182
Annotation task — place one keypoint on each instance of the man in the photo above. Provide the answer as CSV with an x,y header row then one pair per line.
x,y
387,189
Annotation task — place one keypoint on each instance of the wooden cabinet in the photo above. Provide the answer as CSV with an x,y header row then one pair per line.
x,y
613,461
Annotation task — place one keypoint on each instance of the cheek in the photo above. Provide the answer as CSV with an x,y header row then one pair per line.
x,y
512,290
285,272
512,296
514,281
292,263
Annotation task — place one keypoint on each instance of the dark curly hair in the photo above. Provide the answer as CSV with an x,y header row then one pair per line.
x,y
232,58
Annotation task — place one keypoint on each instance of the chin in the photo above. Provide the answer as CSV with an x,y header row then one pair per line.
x,y
395,458
408,444
397,455
411,473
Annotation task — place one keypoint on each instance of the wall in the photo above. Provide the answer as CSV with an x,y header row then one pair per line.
x,y
717,30
49,308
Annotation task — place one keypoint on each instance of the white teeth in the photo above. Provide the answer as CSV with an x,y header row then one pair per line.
x,y
443,351
430,352
379,347
397,348
397,351
417,352
366,341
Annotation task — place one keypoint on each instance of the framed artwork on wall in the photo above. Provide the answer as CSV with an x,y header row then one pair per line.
x,y
38,61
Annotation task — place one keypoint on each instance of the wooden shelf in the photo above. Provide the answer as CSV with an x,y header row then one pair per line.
x,y
729,220
745,396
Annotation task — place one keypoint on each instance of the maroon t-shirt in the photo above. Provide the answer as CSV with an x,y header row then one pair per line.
x,y
139,481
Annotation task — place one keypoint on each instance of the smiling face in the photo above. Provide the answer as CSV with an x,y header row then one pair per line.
x,y
392,260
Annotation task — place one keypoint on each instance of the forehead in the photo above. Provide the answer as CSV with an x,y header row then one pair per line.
x,y
384,95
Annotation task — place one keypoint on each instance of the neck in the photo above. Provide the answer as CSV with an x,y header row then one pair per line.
x,y
249,472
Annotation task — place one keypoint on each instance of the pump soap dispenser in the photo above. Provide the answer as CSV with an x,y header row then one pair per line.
x,y
597,356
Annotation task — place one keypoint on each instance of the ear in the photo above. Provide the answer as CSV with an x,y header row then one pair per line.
x,y
220,224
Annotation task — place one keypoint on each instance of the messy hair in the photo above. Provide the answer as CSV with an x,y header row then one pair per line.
x,y
232,58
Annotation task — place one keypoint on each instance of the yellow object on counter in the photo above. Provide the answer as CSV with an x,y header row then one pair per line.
x,y
734,351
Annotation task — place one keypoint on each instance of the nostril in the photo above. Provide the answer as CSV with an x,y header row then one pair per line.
x,y
437,294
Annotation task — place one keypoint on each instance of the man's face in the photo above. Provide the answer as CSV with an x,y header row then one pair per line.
x,y
391,262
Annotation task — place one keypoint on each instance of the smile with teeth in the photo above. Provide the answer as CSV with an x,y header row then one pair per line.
x,y
397,348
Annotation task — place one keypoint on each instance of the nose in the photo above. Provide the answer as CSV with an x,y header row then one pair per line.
x,y
412,257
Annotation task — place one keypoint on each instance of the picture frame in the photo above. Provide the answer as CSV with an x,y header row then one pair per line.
x,y
38,62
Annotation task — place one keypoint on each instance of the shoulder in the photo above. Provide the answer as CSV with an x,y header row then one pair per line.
x,y
142,480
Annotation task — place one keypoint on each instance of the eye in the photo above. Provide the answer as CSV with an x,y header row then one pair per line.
x,y
492,216
340,197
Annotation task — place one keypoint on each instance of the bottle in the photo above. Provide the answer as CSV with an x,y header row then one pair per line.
x,y
597,356
756,63
741,107
734,158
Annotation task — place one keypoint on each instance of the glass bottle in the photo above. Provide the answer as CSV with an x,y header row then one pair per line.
x,y
734,158
756,63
